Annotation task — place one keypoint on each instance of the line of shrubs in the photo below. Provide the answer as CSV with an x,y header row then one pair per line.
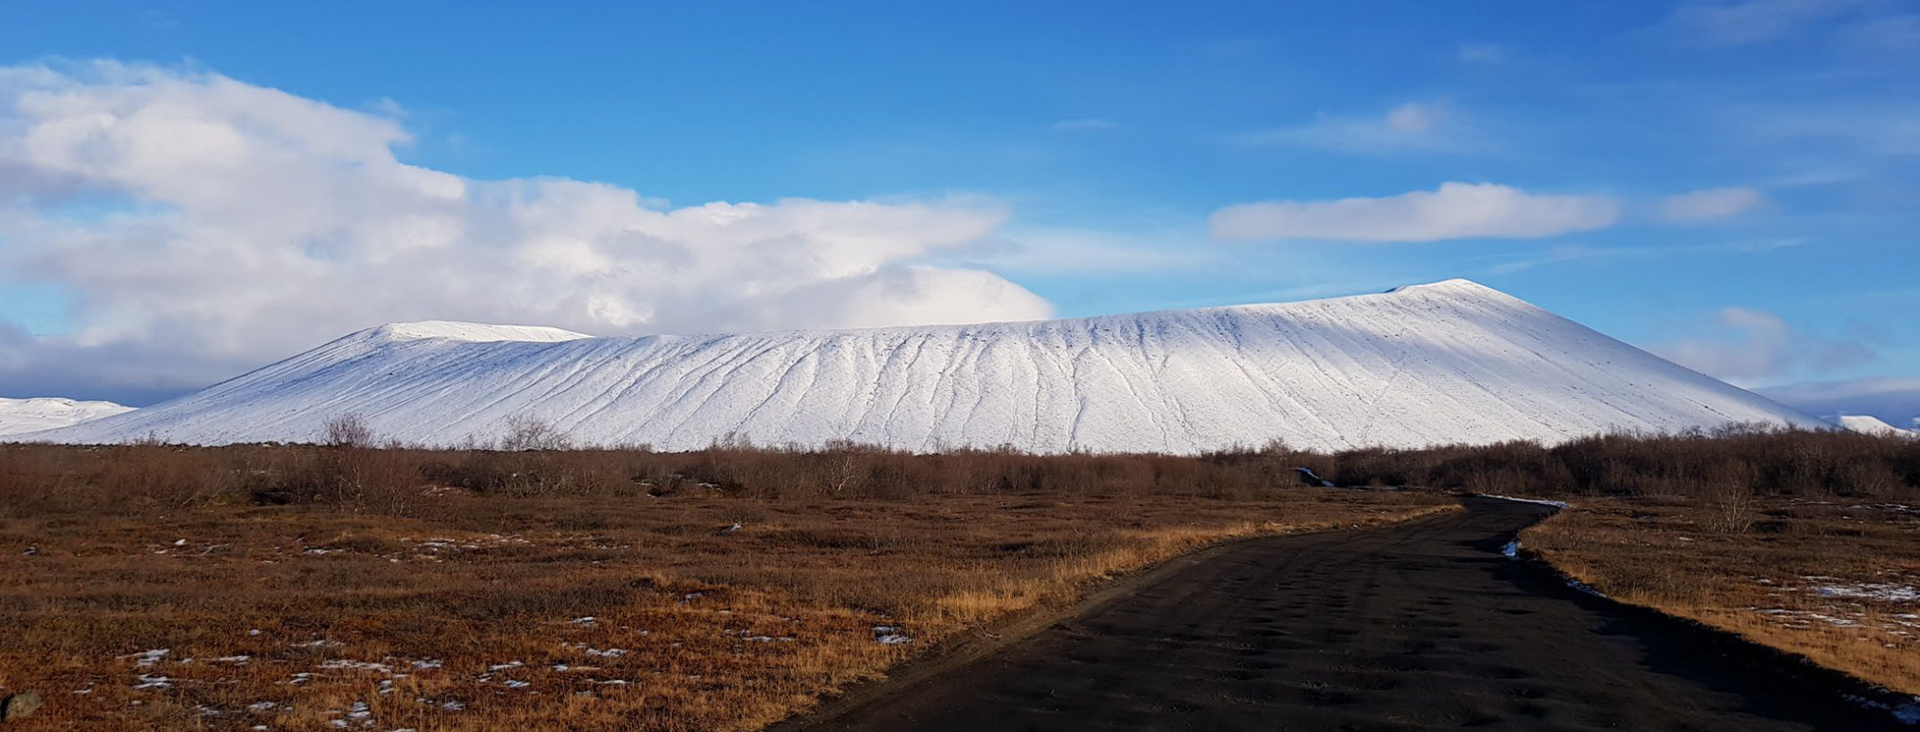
x,y
347,469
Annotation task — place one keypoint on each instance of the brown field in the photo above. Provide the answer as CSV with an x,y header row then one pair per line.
x,y
304,588
1836,581
345,587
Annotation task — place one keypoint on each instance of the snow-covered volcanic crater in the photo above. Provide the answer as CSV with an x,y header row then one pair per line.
x,y
1428,364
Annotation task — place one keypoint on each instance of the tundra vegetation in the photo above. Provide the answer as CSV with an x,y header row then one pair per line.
x,y
352,584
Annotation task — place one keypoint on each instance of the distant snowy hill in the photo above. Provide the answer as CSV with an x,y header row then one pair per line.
x,y
1447,362
1894,400
20,416
1870,425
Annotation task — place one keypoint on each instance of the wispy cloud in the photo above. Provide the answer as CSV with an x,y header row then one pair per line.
x,y
1877,127
1432,126
1453,211
1480,53
1743,344
1746,22
1567,253
1053,250
1889,33
1084,124
1711,204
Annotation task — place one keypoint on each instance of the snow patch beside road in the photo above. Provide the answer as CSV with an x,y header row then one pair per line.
x,y
1540,501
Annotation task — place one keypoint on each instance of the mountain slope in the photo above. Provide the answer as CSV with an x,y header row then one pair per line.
x,y
1447,362
20,416
1871,425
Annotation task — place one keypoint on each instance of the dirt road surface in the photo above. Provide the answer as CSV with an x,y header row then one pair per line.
x,y
1418,626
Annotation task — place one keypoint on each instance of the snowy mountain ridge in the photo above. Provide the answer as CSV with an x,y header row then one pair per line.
x,y
472,332
1867,424
1446,362
20,416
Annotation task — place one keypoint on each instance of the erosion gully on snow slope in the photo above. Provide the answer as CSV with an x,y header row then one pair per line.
x,y
1421,625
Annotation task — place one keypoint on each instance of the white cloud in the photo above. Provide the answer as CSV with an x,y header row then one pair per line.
x,y
1744,22
1414,118
1454,211
1743,344
200,225
1711,203
1419,126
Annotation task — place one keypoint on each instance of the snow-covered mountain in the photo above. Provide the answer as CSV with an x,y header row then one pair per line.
x,y
1892,400
1870,425
1447,362
20,416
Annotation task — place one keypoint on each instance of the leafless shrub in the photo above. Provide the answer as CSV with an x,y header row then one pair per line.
x,y
527,432
846,466
1729,501
1869,478
347,431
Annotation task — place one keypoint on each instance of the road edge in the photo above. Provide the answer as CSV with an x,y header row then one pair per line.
x,y
1000,634
1895,706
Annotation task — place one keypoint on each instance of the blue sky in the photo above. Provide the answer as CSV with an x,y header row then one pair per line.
x,y
1732,184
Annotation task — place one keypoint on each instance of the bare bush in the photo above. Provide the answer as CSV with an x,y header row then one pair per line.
x,y
347,430
1730,507
846,466
527,432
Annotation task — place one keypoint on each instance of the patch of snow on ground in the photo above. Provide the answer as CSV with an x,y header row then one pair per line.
x,y
1801,617
1308,473
340,664
1511,550
153,681
1908,713
1584,587
1885,592
1540,501
599,653
148,658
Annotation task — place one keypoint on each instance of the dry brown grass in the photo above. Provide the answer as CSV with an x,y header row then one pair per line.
x,y
384,599
1829,580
